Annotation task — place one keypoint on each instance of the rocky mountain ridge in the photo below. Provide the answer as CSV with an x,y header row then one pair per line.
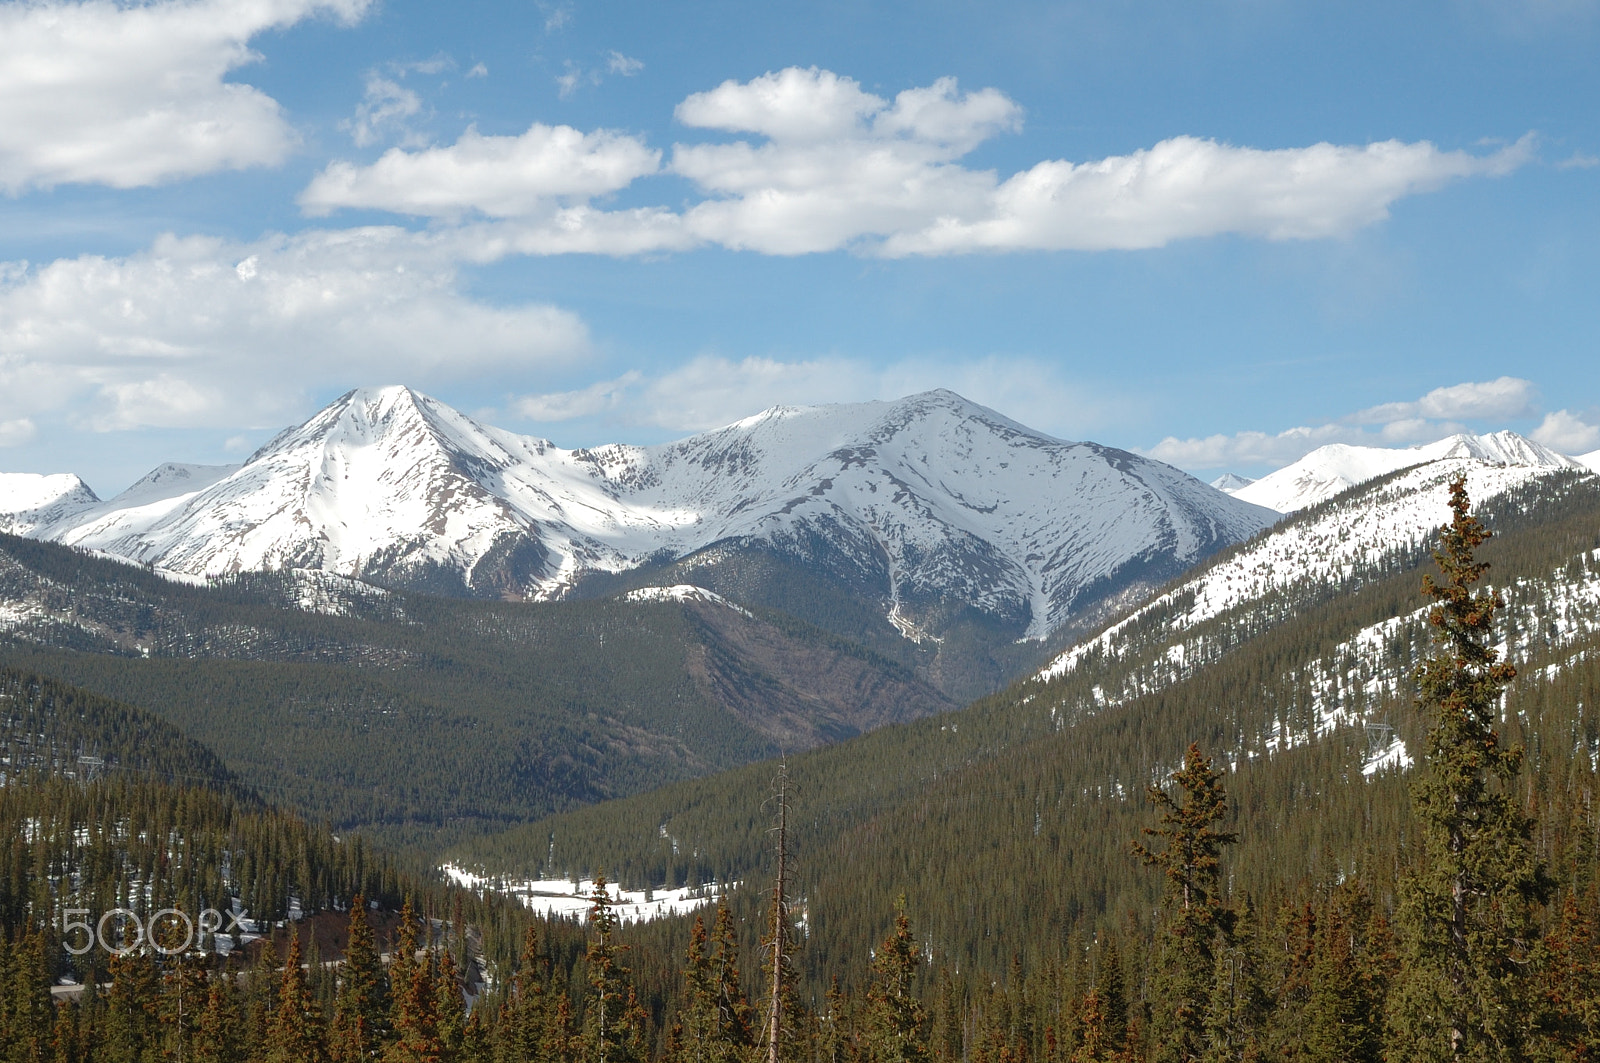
x,y
930,507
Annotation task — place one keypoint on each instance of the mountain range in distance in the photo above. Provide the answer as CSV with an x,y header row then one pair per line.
x,y
917,521
1330,469
930,529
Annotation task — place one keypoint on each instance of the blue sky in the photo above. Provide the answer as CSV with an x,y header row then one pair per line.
x,y
1217,233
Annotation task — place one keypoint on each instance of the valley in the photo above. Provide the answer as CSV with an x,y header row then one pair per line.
x,y
958,720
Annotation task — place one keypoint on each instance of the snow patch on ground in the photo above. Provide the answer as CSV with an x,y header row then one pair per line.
x,y
564,898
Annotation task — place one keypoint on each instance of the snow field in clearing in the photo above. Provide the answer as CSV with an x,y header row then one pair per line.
x,y
563,898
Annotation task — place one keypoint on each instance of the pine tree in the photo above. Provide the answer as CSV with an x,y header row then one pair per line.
x,y
697,1034
734,1012
416,1019
895,1015
296,1033
1466,914
1240,1005
1570,986
1196,917
608,1021
1111,987
132,1019
28,1014
524,1030
449,1006
1343,1019
359,1005
217,1037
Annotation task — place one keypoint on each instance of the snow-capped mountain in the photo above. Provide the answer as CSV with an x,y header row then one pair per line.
x,y
1231,482
1336,467
30,503
1331,551
930,504
1591,460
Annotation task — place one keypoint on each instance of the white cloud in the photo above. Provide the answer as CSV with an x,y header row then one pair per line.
x,y
584,402
501,176
710,391
16,432
385,104
839,164
1567,432
1434,416
1186,187
479,70
617,63
204,332
837,167
1504,398
134,94
1246,449
556,16
567,83
436,65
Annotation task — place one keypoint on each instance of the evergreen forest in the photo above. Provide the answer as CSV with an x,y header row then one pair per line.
x,y
1361,827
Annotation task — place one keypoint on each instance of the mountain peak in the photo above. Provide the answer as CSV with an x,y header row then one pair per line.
x,y
927,506
1333,468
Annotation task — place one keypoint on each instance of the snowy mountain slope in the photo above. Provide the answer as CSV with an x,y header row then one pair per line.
x,y
927,503
1349,539
1328,470
1331,553
1590,461
30,502
1231,483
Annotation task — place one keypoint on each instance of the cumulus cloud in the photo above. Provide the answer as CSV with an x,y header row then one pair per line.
x,y
711,390
839,164
1567,432
1504,398
501,176
1187,187
204,332
130,95
1434,416
824,165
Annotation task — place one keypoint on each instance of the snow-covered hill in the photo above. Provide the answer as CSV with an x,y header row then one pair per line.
x,y
31,503
1313,559
1328,470
928,503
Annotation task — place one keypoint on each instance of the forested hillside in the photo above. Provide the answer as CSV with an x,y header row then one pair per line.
x,y
1007,824
409,715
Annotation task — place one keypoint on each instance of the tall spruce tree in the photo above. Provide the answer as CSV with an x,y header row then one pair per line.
x,y
714,1020
610,1023
296,1033
1196,917
360,1007
1467,909
896,1018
